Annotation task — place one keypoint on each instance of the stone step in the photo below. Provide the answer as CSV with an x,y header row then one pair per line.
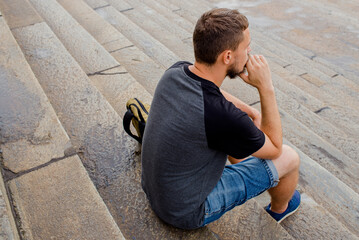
x,y
108,153
143,40
350,124
346,115
304,65
138,64
36,153
8,229
300,65
321,103
23,103
103,70
327,74
348,146
86,13
71,207
345,10
336,202
309,224
94,127
185,10
343,88
318,62
292,22
242,223
115,206
320,151
287,104
151,14
338,14
166,32
150,19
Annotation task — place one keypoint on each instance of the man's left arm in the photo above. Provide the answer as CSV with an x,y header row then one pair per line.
x,y
252,112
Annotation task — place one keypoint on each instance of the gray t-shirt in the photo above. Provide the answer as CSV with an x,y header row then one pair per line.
x,y
189,133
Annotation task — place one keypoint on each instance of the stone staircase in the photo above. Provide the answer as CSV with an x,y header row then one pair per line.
x,y
67,68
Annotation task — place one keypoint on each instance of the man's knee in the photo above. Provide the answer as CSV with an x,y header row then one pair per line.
x,y
287,162
291,157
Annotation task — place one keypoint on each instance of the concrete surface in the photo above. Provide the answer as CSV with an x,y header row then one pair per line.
x,y
190,9
31,133
67,204
89,101
109,154
19,14
8,230
82,110
242,223
71,35
308,24
138,64
152,47
312,223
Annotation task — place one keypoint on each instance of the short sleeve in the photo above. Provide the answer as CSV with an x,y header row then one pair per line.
x,y
228,129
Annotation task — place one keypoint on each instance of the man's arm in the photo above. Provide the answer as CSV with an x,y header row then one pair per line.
x,y
259,76
252,112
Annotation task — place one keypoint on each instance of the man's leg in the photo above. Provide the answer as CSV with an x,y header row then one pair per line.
x,y
287,166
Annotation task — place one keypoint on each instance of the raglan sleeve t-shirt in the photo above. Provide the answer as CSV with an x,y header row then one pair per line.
x,y
190,131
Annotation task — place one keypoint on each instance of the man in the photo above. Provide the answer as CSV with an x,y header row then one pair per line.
x,y
193,127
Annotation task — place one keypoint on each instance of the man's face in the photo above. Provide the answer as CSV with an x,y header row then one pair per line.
x,y
240,56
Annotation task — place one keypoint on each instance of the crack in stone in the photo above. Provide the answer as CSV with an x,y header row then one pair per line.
x,y
252,104
128,9
9,175
186,38
335,75
102,7
27,25
110,41
15,213
121,48
287,65
312,57
99,72
115,73
323,108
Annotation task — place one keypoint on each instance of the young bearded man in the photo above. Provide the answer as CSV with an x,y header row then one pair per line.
x,y
194,127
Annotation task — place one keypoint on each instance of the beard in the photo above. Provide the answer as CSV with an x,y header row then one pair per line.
x,y
233,71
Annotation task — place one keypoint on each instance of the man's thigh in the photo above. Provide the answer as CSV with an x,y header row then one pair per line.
x,y
239,183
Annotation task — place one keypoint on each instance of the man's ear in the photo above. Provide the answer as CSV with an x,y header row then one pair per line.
x,y
227,57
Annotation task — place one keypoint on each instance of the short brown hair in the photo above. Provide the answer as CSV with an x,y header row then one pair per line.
x,y
217,30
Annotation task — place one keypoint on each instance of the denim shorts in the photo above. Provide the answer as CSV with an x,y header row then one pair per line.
x,y
239,183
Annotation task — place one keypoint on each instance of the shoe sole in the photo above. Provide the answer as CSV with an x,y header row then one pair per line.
x,y
288,214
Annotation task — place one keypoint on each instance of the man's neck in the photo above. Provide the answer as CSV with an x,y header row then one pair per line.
x,y
211,73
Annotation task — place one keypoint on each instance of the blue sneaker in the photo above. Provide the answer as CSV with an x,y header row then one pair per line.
x,y
293,206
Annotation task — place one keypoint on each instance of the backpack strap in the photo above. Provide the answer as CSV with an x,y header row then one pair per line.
x,y
126,124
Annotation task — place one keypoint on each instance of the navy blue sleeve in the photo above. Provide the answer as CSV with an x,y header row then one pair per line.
x,y
228,129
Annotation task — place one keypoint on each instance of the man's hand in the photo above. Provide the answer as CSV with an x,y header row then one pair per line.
x,y
259,75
